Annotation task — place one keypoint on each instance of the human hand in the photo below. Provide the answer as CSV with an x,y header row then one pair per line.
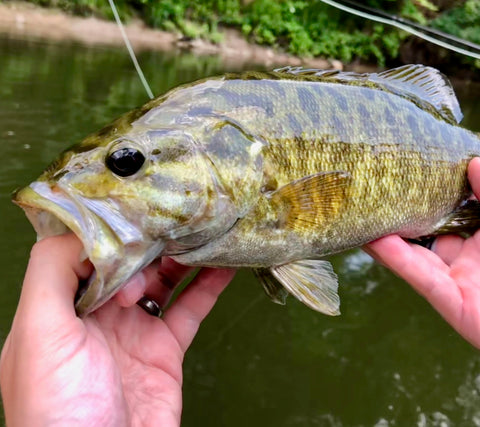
x,y
447,276
119,365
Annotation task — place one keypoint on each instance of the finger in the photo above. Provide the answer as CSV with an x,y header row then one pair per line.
x,y
448,247
157,281
425,272
51,279
420,267
469,257
134,289
162,282
398,255
404,258
474,176
474,179
185,315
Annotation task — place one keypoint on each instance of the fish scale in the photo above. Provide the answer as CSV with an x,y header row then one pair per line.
x,y
271,171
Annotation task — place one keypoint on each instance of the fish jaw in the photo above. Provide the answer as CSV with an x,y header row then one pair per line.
x,y
115,247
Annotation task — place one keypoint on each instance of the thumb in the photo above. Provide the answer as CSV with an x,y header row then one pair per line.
x,y
474,176
51,280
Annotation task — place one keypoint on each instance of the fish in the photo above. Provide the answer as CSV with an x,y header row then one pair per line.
x,y
271,171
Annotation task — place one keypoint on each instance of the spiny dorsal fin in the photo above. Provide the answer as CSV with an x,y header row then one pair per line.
x,y
313,282
311,200
417,83
274,290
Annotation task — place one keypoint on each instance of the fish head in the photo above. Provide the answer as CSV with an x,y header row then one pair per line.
x,y
130,197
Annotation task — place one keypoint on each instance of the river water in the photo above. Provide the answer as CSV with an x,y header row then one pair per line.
x,y
388,360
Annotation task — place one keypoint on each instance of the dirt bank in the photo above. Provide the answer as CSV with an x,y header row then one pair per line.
x,y
29,21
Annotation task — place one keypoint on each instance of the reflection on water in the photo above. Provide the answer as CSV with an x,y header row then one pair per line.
x,y
388,360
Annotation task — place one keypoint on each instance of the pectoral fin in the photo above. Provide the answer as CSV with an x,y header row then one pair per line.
x,y
274,290
313,282
309,201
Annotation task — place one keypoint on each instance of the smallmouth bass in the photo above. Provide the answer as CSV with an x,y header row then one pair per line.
x,y
272,171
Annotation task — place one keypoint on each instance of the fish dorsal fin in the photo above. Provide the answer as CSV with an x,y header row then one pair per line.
x,y
274,290
415,82
311,281
426,83
311,200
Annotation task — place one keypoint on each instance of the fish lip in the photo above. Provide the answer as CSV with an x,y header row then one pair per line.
x,y
49,208
56,210
53,211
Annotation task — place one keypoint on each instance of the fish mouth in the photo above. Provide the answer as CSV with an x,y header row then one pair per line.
x,y
116,248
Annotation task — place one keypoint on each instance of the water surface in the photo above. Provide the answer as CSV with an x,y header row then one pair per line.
x,y
389,360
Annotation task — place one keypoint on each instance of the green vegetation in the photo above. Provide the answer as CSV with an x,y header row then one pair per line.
x,y
463,21
301,27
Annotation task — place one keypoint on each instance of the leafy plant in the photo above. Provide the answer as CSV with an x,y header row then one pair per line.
x,y
301,27
462,21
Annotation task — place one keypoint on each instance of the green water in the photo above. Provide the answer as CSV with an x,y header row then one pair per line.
x,y
389,360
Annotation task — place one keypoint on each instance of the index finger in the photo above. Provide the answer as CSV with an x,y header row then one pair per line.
x,y
195,302
409,261
422,269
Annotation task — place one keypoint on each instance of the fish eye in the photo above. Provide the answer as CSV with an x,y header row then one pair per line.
x,y
125,161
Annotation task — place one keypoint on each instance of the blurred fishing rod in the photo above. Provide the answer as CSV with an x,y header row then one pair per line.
x,y
431,35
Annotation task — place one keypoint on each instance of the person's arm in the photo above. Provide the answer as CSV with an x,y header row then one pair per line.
x,y
447,276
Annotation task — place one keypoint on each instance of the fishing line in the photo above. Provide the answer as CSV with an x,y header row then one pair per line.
x,y
234,321
130,50
409,27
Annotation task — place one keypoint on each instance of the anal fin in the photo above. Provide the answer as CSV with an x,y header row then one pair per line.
x,y
313,282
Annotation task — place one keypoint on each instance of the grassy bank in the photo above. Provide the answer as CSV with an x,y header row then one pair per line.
x,y
300,27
